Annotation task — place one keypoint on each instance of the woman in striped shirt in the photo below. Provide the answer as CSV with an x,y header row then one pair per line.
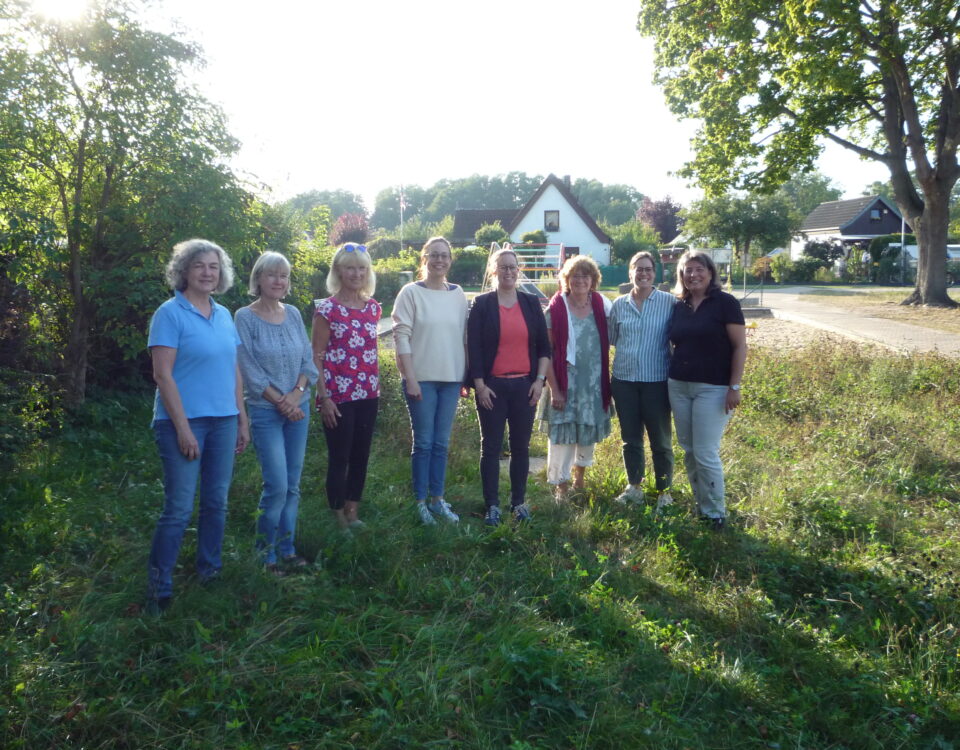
x,y
638,325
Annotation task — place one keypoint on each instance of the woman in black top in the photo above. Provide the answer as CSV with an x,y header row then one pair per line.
x,y
508,355
710,349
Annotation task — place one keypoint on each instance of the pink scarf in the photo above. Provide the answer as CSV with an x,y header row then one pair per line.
x,y
561,333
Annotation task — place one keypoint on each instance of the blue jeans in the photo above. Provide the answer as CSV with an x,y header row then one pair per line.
x,y
431,419
700,417
217,438
280,446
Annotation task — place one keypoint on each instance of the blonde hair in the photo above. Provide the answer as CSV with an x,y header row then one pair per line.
x,y
184,253
425,254
583,264
495,259
267,262
350,249
695,256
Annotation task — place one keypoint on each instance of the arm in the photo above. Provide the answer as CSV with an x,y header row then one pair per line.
x,y
255,376
404,315
320,338
738,340
163,358
544,350
308,371
243,423
536,387
475,323
557,399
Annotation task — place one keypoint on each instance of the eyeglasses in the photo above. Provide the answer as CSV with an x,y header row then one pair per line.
x,y
440,256
643,269
354,248
508,269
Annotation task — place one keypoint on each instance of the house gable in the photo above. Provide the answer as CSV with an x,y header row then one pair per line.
x,y
466,222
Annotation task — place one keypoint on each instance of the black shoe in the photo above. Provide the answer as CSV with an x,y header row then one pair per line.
x,y
718,524
156,607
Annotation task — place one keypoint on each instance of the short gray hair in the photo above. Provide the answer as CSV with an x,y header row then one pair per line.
x,y
184,253
267,262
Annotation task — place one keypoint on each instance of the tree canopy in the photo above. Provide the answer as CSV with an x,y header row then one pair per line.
x,y
772,82
742,221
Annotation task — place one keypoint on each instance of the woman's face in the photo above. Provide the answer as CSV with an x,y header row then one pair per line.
x,y
275,283
642,273
438,260
580,282
508,271
696,277
352,273
203,274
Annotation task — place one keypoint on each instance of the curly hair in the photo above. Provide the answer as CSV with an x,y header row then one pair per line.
x,y
184,253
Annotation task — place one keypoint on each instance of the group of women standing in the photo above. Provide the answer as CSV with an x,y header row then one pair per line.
x,y
211,372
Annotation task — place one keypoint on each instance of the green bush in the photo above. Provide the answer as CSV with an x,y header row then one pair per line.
x,y
491,233
389,284
468,266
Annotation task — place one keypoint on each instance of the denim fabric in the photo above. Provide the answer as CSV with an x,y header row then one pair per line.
x,y
431,419
511,406
348,451
700,417
280,446
217,438
643,407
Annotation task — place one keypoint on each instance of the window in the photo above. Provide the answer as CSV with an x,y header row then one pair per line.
x,y
551,221
874,214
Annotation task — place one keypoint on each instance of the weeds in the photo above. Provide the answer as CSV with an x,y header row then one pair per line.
x,y
825,617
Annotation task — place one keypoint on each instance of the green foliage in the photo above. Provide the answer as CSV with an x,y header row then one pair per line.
x,y
632,237
807,190
383,247
611,204
536,237
825,617
337,202
741,221
800,271
491,233
823,250
468,266
349,228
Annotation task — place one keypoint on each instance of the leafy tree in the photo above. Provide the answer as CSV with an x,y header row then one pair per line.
x,y
632,237
349,228
771,82
536,237
823,250
105,138
386,208
611,204
883,188
491,233
662,216
338,201
741,221
807,190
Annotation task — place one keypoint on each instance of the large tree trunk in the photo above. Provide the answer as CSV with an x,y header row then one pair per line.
x,y
75,355
930,227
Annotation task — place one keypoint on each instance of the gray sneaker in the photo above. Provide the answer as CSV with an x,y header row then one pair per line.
x,y
441,509
424,514
521,513
493,516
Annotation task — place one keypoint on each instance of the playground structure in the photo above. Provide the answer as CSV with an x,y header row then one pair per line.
x,y
537,261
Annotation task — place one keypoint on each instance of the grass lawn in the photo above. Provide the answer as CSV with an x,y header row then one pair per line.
x,y
827,615
886,304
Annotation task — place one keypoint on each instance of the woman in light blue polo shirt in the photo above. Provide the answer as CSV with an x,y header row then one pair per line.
x,y
638,325
199,421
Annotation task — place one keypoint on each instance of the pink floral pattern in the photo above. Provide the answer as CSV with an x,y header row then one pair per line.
x,y
351,370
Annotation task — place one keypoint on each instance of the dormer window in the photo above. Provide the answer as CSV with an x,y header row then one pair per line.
x,y
875,214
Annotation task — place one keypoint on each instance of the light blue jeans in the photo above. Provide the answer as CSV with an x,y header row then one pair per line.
x,y
431,420
700,418
280,446
217,438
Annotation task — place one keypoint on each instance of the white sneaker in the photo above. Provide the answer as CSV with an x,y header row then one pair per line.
x,y
630,495
441,508
424,514
664,500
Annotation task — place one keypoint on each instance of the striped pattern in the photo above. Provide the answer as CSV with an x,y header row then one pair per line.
x,y
641,337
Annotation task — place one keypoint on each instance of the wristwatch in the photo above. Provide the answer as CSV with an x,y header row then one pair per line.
x,y
300,388
735,387
541,377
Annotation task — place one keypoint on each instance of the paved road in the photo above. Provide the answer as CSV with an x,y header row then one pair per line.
x,y
790,304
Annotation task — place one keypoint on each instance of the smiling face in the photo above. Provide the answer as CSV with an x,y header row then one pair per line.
x,y
507,271
436,260
274,283
352,273
203,274
642,273
696,277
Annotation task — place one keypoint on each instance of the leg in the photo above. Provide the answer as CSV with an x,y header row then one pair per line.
x,y
493,422
339,441
559,462
266,428
626,395
655,410
366,420
520,420
179,487
448,394
422,423
709,421
216,472
582,459
681,404
295,441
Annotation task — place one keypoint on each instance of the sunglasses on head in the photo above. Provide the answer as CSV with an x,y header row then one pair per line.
x,y
355,248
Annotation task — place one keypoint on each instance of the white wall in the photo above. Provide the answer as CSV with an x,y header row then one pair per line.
x,y
573,230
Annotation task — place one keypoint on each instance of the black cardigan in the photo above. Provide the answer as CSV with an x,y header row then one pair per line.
x,y
483,333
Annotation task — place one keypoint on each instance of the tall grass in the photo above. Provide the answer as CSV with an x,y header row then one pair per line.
x,y
826,617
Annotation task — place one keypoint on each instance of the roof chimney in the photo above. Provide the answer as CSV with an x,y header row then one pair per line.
x,y
566,180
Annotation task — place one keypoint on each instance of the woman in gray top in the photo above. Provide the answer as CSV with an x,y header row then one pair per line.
x,y
276,362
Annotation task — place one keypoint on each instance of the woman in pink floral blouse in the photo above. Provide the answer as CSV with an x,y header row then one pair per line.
x,y
345,352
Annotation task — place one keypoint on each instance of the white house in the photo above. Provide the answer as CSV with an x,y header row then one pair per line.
x,y
552,208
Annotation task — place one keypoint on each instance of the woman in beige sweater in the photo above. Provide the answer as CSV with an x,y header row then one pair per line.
x,y
429,321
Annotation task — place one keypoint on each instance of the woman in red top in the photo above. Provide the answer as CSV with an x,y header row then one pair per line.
x,y
509,354
348,391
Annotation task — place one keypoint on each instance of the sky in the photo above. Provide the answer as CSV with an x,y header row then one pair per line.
x,y
362,95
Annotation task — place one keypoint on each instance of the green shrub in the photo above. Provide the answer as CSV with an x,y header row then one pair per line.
x,y
468,266
489,233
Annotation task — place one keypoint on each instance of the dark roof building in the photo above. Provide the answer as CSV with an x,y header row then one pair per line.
x,y
849,222
466,221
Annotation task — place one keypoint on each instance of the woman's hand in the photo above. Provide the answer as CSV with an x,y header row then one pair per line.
x,y
289,402
536,388
243,434
732,400
558,400
296,415
329,412
485,396
413,389
187,442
